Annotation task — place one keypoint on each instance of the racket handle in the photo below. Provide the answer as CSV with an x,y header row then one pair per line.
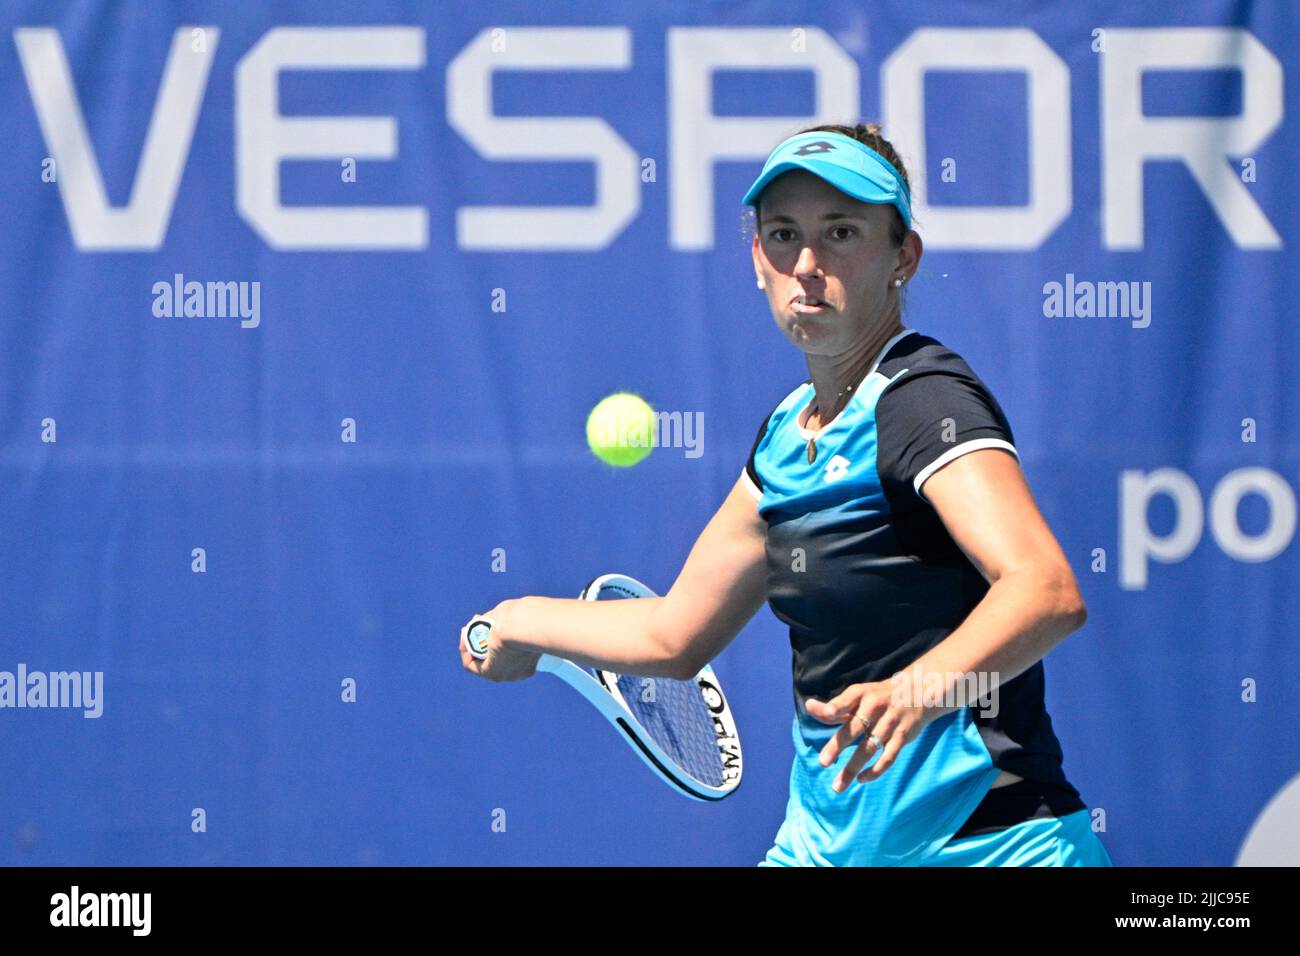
x,y
475,635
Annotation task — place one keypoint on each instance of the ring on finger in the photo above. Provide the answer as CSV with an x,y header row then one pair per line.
x,y
866,726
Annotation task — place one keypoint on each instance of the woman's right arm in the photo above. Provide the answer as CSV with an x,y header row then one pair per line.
x,y
720,587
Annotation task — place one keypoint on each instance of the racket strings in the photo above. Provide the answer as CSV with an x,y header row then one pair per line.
x,y
674,714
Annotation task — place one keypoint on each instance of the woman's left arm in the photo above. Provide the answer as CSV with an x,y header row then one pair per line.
x,y
1033,601
1032,604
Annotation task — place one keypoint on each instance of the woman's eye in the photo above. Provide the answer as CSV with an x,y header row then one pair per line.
x,y
839,232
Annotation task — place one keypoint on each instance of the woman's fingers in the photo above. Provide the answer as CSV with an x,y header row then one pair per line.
x,y
837,708
884,730
502,663
880,723
468,660
860,709
843,737
894,735
891,726
892,747
863,711
864,751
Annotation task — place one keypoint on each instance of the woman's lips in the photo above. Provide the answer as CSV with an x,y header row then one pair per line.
x,y
807,305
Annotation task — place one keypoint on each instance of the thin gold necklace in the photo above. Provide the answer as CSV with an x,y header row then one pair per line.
x,y
812,442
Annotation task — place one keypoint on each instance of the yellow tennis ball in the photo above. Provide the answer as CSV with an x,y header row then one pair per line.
x,y
621,429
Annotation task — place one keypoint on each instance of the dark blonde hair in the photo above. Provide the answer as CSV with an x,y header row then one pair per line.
x,y
869,135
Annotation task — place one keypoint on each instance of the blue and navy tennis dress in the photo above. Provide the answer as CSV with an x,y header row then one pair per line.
x,y
865,574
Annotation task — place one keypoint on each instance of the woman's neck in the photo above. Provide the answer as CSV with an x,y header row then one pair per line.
x,y
835,376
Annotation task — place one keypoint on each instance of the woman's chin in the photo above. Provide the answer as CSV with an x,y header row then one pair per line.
x,y
803,332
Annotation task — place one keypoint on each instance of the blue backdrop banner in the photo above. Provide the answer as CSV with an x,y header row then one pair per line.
x,y
304,308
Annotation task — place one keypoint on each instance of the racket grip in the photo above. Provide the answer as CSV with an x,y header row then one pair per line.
x,y
475,635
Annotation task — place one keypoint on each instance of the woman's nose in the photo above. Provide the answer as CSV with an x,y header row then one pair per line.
x,y
806,264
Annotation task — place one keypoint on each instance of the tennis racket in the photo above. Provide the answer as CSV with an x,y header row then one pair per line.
x,y
682,729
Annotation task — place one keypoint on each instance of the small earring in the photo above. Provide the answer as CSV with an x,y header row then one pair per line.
x,y
898,282
759,283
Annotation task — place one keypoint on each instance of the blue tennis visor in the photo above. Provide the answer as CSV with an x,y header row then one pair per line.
x,y
848,165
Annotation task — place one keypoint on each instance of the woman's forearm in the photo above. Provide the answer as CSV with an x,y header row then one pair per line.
x,y
611,635
1021,617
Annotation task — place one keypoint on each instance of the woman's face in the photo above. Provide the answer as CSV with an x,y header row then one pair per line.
x,y
816,243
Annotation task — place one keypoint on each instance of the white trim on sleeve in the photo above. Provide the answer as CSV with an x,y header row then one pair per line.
x,y
750,486
974,444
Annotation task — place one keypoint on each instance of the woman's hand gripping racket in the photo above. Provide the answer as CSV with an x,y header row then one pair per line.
x,y
682,729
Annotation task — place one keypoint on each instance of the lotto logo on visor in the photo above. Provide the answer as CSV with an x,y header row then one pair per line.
x,y
821,146
850,166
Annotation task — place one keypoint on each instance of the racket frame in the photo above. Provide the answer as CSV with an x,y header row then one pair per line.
x,y
601,689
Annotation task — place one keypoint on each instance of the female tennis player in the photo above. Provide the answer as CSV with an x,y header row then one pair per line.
x,y
883,515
